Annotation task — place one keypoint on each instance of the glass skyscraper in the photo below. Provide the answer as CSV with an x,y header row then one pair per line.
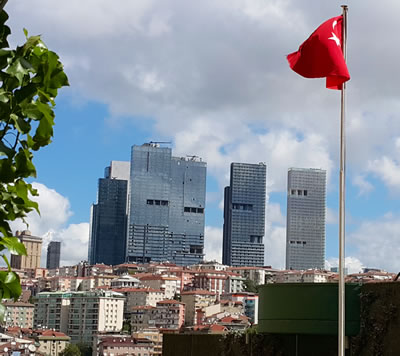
x,y
244,215
306,209
107,234
53,255
167,202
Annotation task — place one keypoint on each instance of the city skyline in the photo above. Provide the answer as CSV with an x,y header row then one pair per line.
x,y
221,90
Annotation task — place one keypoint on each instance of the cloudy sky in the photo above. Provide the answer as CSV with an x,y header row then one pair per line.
x,y
211,76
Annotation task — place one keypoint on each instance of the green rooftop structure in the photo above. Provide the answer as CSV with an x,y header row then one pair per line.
x,y
307,308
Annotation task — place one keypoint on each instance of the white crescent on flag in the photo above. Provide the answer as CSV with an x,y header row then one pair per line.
x,y
334,37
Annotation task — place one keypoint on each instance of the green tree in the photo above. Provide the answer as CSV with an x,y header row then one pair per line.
x,y
85,349
30,77
250,286
71,350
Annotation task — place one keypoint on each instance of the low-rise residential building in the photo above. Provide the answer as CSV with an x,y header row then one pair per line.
x,y
169,314
249,302
60,283
303,276
168,284
122,346
234,283
52,342
210,266
186,277
18,314
97,270
255,274
126,268
154,335
211,280
372,275
142,317
125,281
140,296
195,300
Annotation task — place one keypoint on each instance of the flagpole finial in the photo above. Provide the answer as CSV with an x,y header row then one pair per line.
x,y
344,7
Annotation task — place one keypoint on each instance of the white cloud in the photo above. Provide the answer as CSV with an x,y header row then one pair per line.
x,y
213,243
74,243
388,170
207,72
54,212
362,183
375,242
274,214
52,224
332,216
353,264
275,247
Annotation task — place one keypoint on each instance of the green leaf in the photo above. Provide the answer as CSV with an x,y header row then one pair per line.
x,y
10,278
7,171
2,312
15,288
13,245
25,32
30,43
17,70
5,151
4,96
6,260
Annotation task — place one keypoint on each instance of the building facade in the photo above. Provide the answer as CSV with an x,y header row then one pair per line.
x,y
107,236
51,311
53,255
33,246
244,215
18,314
306,209
80,315
94,312
167,203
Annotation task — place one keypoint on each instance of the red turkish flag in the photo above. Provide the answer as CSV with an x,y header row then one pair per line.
x,y
321,55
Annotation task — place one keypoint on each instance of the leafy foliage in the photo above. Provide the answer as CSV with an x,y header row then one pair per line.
x,y
85,349
71,350
250,286
30,77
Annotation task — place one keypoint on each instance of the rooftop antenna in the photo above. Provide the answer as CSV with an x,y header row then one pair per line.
x,y
161,142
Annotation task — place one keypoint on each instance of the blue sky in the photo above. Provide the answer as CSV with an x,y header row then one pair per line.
x,y
212,78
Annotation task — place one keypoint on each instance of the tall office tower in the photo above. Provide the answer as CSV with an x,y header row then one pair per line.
x,y
167,200
305,229
53,255
107,233
33,246
244,215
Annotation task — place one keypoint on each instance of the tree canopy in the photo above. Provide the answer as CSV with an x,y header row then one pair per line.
x,y
30,76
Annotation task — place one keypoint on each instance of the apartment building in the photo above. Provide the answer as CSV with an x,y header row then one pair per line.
x,y
195,300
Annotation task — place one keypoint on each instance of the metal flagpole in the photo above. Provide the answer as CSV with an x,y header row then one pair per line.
x,y
341,317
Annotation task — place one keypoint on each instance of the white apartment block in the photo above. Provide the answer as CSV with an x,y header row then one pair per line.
x,y
168,284
255,274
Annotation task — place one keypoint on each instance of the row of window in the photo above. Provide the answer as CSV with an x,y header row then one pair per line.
x,y
299,192
188,209
157,202
298,242
238,206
